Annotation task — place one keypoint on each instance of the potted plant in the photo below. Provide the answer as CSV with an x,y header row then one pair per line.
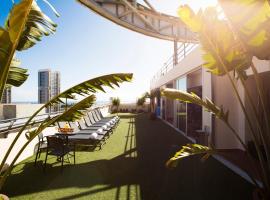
x,y
140,103
115,101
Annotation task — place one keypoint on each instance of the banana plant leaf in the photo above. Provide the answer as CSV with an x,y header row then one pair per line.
x,y
5,49
36,26
84,89
76,112
25,26
193,98
252,24
94,85
222,52
190,150
16,75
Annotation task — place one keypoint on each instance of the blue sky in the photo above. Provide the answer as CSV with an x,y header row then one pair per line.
x,y
87,45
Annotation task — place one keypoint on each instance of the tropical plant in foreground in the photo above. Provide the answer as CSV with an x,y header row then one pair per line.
x,y
25,26
16,75
229,45
76,111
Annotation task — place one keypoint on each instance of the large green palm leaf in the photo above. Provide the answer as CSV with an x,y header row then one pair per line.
x,y
195,149
93,85
87,87
252,24
16,75
5,58
190,150
75,112
195,99
84,89
25,26
37,24
221,49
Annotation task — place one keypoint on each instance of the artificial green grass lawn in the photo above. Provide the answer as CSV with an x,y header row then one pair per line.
x,y
129,166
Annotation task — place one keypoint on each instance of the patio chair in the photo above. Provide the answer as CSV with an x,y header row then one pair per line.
x,y
99,129
91,125
93,139
98,117
42,145
89,131
95,122
58,147
85,123
88,137
117,118
89,121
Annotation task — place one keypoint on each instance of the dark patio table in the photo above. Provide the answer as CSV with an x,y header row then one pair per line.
x,y
65,136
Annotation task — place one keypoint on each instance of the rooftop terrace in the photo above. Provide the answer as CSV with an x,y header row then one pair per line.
x,y
131,165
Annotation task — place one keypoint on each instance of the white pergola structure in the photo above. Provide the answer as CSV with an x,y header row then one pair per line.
x,y
143,19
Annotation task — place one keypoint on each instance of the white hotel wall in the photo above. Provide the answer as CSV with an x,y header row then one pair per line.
x,y
220,91
190,63
223,95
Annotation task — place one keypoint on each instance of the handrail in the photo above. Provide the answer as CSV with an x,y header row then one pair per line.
x,y
19,118
183,50
8,125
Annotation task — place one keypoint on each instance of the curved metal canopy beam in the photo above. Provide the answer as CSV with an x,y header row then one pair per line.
x,y
139,18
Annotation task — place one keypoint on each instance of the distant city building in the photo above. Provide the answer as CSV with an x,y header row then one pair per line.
x,y
48,86
44,79
6,96
55,83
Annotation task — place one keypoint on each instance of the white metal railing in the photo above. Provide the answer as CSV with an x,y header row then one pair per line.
x,y
183,50
9,125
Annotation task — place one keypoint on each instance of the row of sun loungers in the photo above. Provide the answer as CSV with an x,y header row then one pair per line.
x,y
93,129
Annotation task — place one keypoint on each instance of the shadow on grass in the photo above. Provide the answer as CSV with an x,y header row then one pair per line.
x,y
114,173
147,146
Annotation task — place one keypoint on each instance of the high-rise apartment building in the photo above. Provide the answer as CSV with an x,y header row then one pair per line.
x,y
48,86
44,84
55,83
6,96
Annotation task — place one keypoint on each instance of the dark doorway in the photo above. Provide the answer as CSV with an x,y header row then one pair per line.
x,y
194,112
